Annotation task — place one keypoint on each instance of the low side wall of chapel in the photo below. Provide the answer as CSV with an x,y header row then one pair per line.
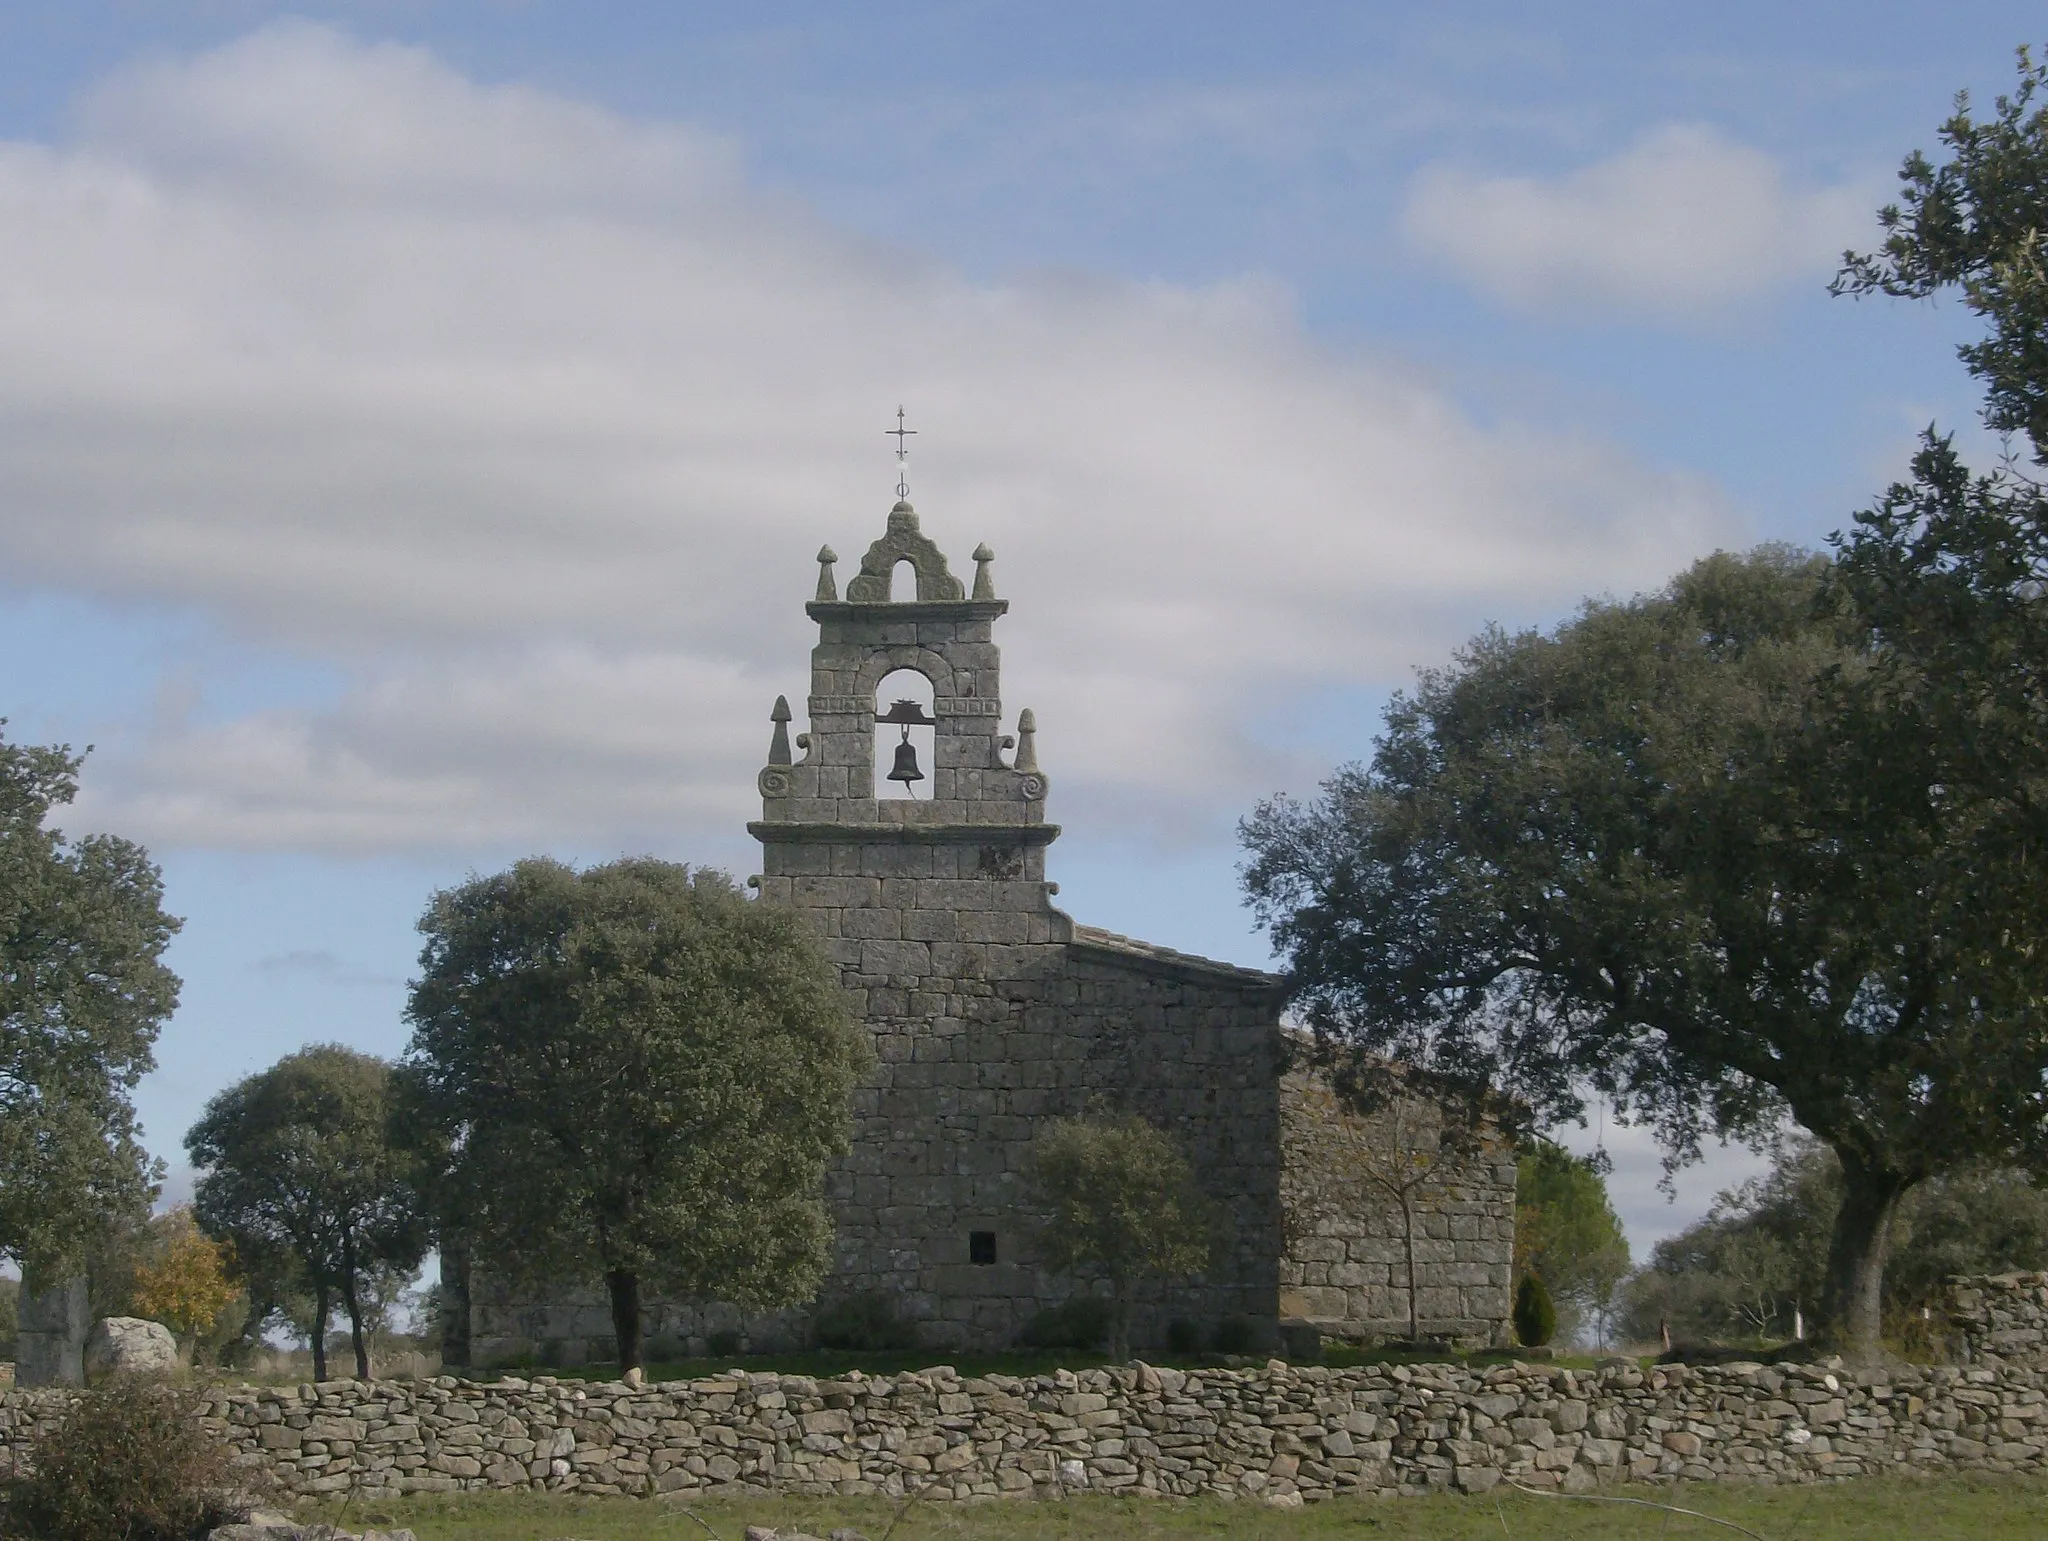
x,y
1344,1268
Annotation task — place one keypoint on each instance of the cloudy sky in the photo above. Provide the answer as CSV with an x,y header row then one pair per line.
x,y
417,419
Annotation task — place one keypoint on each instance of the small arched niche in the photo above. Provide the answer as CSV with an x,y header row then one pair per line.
x,y
903,581
904,685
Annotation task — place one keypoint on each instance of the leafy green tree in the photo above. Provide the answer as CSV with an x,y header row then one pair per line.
x,y
188,1283
1118,1195
1946,572
1978,225
83,994
638,1075
1758,1259
1673,852
1943,739
1980,1220
1752,1266
111,1253
298,1163
1567,1233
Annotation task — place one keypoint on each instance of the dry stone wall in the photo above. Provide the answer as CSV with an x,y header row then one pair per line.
x,y
2000,1319
1280,1434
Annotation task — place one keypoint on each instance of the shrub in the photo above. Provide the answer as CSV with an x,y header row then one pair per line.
x,y
187,1285
865,1322
1118,1196
1535,1314
10,1299
1081,1323
1300,1342
130,1462
1183,1336
1234,1335
724,1343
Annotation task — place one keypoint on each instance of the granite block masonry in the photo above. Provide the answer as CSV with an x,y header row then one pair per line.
x,y
1278,1433
991,1012
50,1344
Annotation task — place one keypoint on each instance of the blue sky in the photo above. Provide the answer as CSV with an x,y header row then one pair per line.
x,y
416,419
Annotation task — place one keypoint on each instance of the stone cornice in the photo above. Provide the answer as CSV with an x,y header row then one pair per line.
x,y
1155,959
776,832
906,609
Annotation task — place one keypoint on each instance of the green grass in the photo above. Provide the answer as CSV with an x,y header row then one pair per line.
x,y
1944,1509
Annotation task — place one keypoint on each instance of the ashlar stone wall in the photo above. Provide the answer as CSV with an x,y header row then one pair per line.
x,y
1345,1264
966,1074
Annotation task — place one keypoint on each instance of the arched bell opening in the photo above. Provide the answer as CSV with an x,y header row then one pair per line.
x,y
903,582
906,736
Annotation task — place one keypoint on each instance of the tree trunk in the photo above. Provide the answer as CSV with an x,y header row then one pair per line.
x,y
455,1299
351,1301
320,1310
625,1293
1856,1255
1119,1322
1414,1295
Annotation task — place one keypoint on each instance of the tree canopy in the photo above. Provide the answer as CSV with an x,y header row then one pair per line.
x,y
298,1166
1976,224
1758,1259
639,1076
188,1283
1118,1195
1673,853
83,994
1567,1233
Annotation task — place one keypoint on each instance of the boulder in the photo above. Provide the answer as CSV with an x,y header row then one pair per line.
x,y
128,1345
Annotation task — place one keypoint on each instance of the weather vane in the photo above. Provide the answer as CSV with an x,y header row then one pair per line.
x,y
899,433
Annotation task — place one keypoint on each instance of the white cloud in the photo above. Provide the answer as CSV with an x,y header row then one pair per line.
x,y
1685,221
526,419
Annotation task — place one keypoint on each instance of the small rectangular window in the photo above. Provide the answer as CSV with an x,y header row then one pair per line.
x,y
981,1246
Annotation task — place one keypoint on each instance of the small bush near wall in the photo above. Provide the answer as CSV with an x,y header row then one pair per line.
x,y
1535,1314
131,1462
864,1323
1081,1323
1234,1335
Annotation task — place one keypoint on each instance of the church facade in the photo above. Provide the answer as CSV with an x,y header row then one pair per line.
x,y
992,1012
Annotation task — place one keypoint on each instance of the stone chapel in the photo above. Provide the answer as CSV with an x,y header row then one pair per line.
x,y
992,1012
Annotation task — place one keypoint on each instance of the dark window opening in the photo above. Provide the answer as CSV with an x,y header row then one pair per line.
x,y
981,1246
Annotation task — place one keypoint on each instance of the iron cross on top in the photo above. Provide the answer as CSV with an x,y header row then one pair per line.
x,y
900,433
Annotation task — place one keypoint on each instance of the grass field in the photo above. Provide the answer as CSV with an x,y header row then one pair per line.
x,y
1947,1509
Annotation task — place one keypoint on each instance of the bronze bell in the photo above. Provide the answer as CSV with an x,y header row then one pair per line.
x,y
905,769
